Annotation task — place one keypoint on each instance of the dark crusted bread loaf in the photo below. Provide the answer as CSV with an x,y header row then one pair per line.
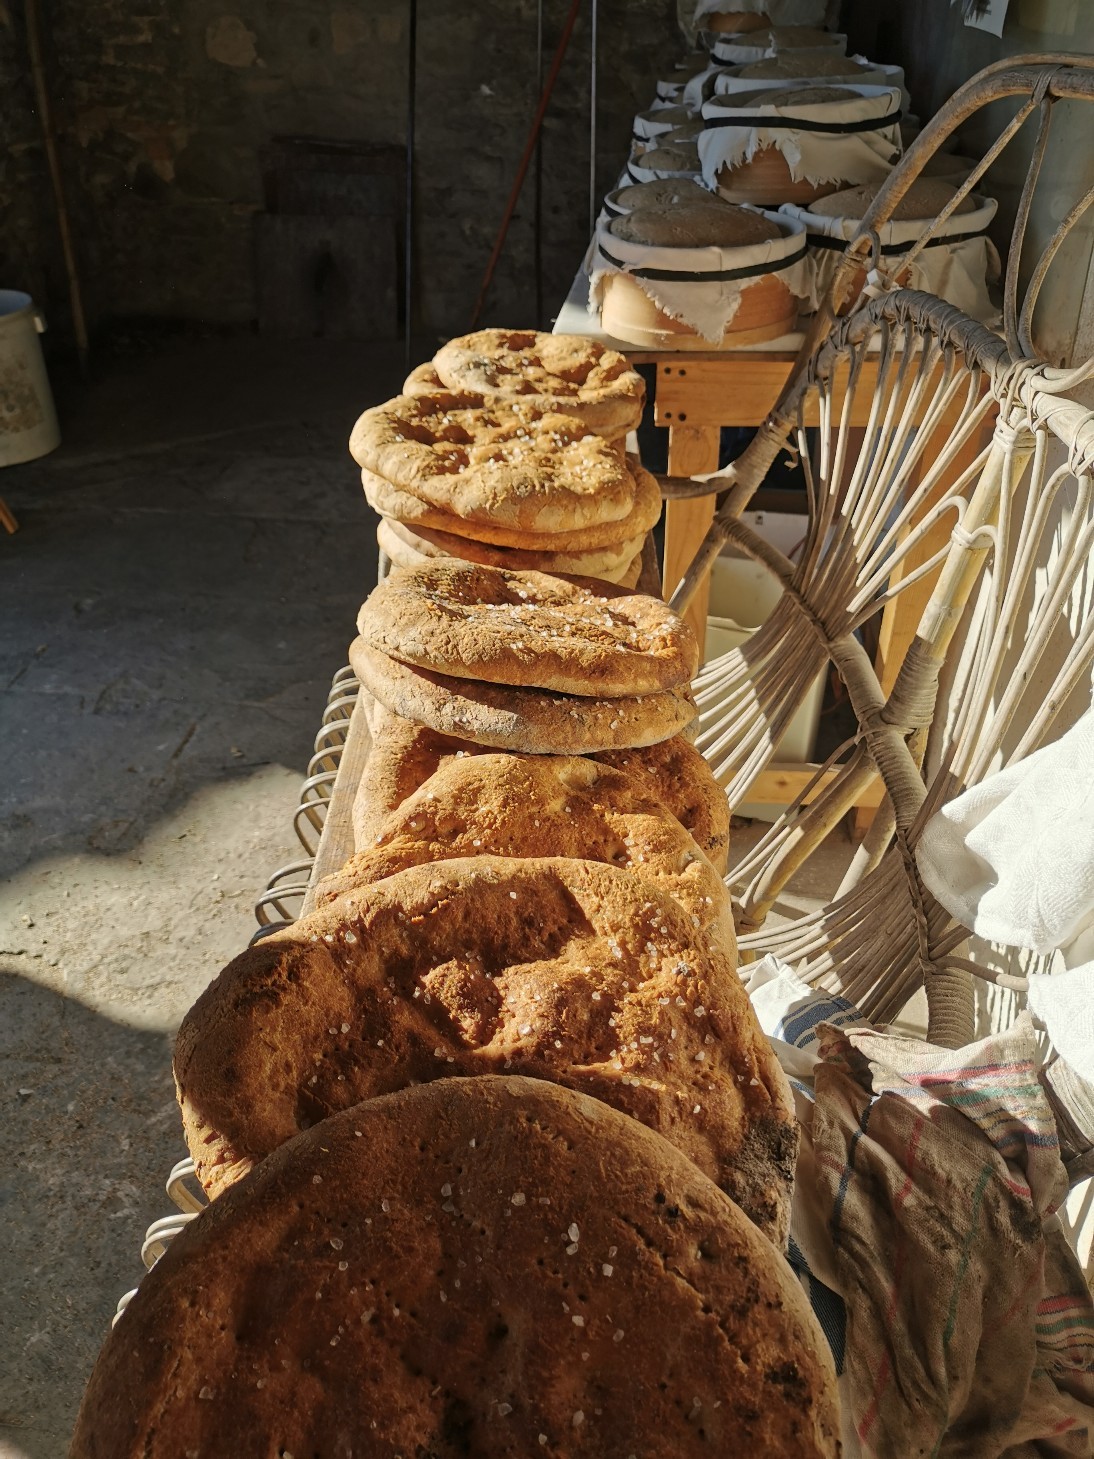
x,y
790,67
664,192
489,1267
560,969
925,198
795,95
670,157
695,227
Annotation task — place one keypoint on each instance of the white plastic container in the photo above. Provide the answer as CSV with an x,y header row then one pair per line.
x,y
742,596
28,420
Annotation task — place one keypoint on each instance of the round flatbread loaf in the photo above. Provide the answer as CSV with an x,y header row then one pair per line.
x,y
726,226
531,629
800,37
671,157
495,1267
797,96
664,193
536,805
531,720
514,464
681,779
405,754
684,134
401,756
565,970
408,548
554,371
403,506
424,380
793,68
667,117
925,199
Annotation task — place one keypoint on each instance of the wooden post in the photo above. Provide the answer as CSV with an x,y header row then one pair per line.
x,y
693,451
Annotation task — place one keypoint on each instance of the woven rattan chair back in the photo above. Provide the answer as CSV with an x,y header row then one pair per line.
x,y
1002,521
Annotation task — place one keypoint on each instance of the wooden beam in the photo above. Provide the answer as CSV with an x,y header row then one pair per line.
x,y
742,390
336,839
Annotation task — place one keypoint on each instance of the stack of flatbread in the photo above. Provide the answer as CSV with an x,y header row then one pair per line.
x,y
501,1099
508,450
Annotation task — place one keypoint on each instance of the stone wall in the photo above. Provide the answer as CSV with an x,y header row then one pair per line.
x,y
163,108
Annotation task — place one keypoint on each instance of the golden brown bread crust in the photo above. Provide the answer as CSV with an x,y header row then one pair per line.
x,y
555,371
531,629
536,805
679,776
403,506
534,721
424,380
344,1285
409,548
527,468
404,754
565,970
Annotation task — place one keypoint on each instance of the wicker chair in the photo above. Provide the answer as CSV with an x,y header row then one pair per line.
x,y
1002,522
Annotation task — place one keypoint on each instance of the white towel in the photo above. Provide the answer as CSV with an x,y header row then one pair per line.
x,y
1013,858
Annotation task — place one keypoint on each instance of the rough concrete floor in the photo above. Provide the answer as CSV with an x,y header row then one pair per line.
x,y
183,587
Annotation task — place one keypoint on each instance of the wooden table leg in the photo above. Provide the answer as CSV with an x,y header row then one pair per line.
x,y
900,618
693,451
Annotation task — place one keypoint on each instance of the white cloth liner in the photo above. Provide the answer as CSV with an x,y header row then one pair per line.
x,y
706,307
1013,860
637,173
611,207
720,80
881,73
779,12
820,157
741,49
670,87
958,272
646,127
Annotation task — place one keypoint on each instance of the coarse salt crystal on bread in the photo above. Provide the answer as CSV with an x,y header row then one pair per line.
x,y
532,629
564,969
426,1273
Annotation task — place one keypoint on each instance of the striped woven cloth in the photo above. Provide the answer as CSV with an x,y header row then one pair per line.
x,y
925,1206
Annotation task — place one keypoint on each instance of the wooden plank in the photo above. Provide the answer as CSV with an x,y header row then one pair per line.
x,y
780,785
336,839
692,451
741,390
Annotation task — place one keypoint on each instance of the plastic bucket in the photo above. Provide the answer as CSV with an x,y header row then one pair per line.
x,y
28,420
742,596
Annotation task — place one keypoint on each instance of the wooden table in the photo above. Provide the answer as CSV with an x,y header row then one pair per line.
x,y
699,392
